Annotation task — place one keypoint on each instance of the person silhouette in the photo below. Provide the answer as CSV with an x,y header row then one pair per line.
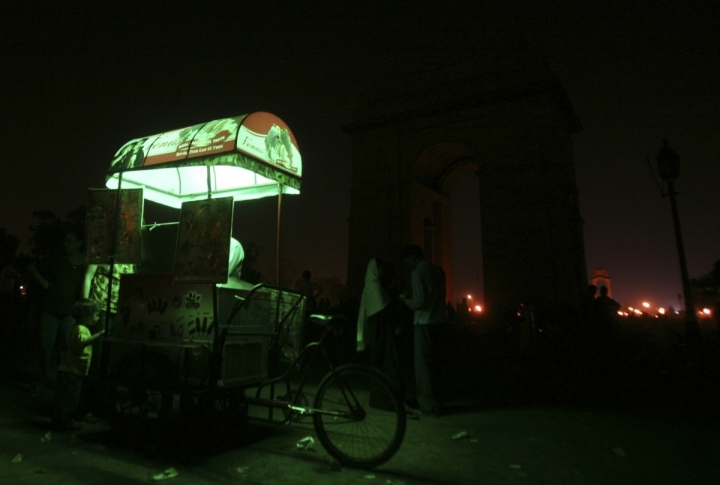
x,y
62,280
605,312
463,312
310,290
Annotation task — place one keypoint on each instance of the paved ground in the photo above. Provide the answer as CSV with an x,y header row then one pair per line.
x,y
526,424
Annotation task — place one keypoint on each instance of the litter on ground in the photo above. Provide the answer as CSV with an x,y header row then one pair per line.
x,y
169,473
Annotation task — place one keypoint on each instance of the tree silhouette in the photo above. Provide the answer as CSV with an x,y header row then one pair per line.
x,y
47,232
8,247
707,287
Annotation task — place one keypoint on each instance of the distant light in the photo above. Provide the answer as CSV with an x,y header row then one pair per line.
x,y
631,308
620,313
706,311
638,312
469,297
646,304
661,311
478,308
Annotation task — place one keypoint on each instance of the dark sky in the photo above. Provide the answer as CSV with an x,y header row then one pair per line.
x,y
79,79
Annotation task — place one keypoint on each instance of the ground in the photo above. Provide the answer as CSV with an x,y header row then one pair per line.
x,y
531,420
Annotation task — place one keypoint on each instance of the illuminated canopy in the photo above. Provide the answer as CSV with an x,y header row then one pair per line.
x,y
245,157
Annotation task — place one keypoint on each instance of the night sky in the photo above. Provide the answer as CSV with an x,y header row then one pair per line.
x,y
80,79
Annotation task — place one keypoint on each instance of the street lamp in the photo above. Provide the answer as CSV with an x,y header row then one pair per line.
x,y
668,163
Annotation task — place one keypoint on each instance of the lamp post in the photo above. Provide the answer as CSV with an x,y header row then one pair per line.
x,y
668,163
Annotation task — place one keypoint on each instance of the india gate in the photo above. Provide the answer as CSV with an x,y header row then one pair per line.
x,y
505,119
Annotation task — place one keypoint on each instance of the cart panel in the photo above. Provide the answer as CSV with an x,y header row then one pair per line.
x,y
164,334
152,309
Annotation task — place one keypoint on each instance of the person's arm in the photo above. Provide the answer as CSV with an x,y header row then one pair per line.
x,y
87,283
91,339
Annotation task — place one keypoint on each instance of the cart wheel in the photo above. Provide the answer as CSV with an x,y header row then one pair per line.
x,y
194,405
362,422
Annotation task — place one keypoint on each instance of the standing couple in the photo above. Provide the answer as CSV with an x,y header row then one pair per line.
x,y
378,325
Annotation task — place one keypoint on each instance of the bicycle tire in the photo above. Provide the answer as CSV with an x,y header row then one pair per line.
x,y
368,434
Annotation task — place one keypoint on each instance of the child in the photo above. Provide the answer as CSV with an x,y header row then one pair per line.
x,y
74,365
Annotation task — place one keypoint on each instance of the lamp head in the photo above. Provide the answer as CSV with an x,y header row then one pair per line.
x,y
668,162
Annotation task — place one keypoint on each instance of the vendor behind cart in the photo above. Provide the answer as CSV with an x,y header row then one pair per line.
x,y
237,255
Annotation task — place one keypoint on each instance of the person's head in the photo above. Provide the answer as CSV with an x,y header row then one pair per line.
x,y
72,241
603,291
306,275
412,255
86,312
591,290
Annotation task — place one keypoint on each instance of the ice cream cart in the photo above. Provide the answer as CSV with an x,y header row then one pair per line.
x,y
187,328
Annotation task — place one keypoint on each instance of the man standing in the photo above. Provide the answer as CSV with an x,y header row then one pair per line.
x,y
428,304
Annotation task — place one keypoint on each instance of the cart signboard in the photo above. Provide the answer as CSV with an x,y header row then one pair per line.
x,y
203,243
108,231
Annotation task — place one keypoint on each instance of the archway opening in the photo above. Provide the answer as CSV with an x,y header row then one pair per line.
x,y
467,262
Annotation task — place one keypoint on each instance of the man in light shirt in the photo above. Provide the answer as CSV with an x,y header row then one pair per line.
x,y
428,304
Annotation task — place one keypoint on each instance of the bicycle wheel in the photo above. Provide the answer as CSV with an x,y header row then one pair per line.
x,y
367,424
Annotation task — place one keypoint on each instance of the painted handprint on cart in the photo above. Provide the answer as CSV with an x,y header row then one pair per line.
x,y
176,333
200,327
157,305
192,300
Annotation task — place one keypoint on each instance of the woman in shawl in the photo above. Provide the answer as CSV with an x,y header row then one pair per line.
x,y
378,324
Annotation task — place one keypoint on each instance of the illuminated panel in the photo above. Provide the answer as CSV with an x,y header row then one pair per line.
x,y
266,137
132,154
215,137
171,146
244,157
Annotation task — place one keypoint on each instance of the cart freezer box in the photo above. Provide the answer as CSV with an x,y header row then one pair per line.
x,y
164,334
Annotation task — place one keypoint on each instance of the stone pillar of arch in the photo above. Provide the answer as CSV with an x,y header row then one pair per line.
x,y
411,141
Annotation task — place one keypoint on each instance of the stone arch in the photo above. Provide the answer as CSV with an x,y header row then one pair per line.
x,y
435,172
602,276
412,141
439,166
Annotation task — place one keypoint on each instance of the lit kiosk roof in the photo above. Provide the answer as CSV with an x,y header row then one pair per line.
x,y
246,157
